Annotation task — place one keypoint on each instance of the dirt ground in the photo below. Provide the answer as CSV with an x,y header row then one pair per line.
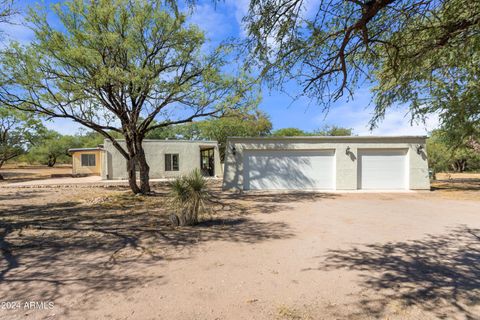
x,y
101,253
20,173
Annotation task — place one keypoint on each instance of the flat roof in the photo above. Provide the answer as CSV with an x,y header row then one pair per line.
x,y
328,138
84,149
171,140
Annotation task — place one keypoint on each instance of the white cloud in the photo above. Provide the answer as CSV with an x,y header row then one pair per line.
x,y
397,121
214,23
240,9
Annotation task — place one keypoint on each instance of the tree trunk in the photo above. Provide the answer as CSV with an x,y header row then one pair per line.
x,y
460,165
132,177
144,169
51,161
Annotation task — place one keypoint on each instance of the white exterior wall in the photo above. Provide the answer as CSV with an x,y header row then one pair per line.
x,y
115,166
346,165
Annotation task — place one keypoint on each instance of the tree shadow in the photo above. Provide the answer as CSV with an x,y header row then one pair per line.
x,y
439,274
471,184
71,248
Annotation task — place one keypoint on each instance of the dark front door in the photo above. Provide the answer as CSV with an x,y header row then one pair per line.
x,y
207,162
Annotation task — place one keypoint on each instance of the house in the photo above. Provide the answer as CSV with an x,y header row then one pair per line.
x,y
326,163
166,158
87,161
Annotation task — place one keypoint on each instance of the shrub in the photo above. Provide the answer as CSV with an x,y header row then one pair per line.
x,y
188,197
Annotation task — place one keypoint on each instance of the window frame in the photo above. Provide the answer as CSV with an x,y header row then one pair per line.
x,y
88,160
170,164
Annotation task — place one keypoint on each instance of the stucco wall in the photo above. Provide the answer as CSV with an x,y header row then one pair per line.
x,y
155,150
77,167
346,165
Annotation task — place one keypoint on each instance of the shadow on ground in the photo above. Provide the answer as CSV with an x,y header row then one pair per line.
x,y
65,248
439,274
470,184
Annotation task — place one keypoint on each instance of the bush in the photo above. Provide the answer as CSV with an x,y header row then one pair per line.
x,y
188,196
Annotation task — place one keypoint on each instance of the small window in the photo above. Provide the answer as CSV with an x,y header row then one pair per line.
x,y
88,160
171,162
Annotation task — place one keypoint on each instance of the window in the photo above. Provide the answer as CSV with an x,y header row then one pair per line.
x,y
88,160
171,162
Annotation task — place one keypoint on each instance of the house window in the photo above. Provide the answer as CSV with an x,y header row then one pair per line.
x,y
171,162
88,160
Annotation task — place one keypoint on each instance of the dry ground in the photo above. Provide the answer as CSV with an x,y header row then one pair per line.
x,y
100,253
20,173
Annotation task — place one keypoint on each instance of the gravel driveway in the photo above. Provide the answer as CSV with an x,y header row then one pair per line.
x,y
287,256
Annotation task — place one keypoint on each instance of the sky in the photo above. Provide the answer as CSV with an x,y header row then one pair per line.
x,y
223,20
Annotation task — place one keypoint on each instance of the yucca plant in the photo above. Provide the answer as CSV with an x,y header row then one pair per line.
x,y
188,197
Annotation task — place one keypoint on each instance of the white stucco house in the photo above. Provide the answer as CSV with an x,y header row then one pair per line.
x,y
326,163
166,158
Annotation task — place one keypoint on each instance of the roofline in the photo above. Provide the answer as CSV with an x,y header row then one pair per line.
x,y
329,138
84,149
171,140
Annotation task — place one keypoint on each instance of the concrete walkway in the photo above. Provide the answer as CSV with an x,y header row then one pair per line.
x,y
90,181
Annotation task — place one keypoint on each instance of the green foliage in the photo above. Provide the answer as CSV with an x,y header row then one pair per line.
x,y
422,53
234,123
435,70
53,147
325,131
333,131
116,66
19,131
447,155
188,196
289,132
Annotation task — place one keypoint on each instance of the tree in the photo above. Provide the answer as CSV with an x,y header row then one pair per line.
x,y
445,154
119,66
235,124
53,148
405,45
18,132
333,131
6,11
289,132
433,70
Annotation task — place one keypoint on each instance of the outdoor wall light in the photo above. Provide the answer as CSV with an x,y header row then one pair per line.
x,y
347,151
234,151
419,149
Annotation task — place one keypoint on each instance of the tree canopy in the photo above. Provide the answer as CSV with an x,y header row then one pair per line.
x,y
118,66
421,52
19,131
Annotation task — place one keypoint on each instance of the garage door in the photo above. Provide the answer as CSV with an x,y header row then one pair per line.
x,y
280,169
383,169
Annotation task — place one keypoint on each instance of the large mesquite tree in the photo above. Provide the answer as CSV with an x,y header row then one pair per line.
x,y
119,67
424,53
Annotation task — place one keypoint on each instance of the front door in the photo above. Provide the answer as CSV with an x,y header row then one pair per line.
x,y
207,162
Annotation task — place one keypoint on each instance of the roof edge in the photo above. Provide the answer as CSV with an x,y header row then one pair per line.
x,y
85,149
171,140
328,138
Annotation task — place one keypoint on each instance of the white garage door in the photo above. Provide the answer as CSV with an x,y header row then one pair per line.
x,y
292,169
383,169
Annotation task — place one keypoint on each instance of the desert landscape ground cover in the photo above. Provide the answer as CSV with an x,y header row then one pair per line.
x,y
102,253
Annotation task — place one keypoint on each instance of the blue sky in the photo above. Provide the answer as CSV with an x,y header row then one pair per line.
x,y
222,21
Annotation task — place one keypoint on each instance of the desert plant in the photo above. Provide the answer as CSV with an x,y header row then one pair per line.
x,y
188,197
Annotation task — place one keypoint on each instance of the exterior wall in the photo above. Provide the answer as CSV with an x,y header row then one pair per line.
x,y
77,167
346,165
189,158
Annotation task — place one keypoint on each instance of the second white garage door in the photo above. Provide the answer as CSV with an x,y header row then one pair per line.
x,y
289,169
384,169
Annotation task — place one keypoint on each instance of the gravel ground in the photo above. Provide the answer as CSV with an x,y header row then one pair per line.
x,y
99,253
